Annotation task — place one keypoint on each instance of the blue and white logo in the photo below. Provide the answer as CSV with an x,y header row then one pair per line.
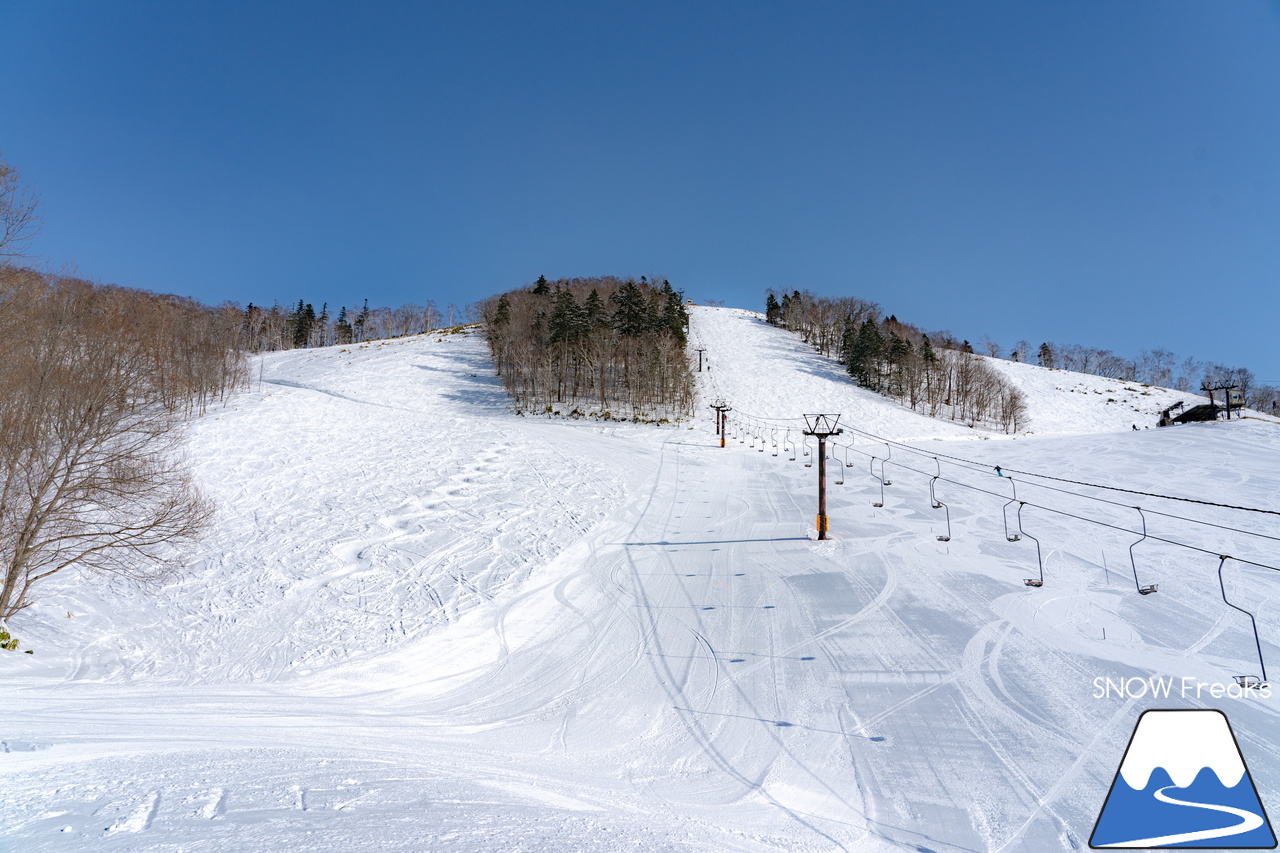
x,y
1183,783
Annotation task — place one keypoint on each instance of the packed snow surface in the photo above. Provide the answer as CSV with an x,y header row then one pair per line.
x,y
423,622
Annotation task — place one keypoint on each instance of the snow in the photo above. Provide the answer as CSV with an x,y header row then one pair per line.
x,y
425,622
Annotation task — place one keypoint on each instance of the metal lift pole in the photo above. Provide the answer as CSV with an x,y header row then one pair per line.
x,y
822,427
721,407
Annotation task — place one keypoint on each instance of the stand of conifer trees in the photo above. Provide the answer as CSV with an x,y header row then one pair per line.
x,y
605,346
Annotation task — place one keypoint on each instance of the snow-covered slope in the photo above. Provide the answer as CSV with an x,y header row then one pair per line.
x,y
425,623
1061,402
772,373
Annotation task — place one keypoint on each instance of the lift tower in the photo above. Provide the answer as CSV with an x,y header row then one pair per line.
x,y
821,427
721,408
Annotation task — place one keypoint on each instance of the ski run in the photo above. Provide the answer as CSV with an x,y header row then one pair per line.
x,y
424,622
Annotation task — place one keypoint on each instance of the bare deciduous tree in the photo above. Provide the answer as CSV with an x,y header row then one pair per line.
x,y
94,384
19,220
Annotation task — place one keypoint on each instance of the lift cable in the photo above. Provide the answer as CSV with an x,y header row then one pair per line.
x,y
1076,516
1073,482
979,466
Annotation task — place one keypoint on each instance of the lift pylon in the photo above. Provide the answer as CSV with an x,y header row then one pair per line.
x,y
822,427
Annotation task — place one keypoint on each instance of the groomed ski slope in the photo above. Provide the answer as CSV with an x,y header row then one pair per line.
x,y
426,623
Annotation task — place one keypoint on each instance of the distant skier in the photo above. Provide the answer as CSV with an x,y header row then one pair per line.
x,y
1135,427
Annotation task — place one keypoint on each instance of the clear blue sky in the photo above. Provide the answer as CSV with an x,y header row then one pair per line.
x,y
1103,173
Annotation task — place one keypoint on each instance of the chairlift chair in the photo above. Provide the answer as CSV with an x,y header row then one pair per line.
x,y
1149,588
878,480
937,504
773,437
880,477
1248,682
1034,582
1011,537
888,456
785,439
839,468
806,452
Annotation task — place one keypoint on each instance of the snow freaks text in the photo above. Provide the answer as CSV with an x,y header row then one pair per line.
x,y
1186,687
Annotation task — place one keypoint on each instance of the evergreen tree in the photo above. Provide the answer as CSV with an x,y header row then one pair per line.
x,y
502,313
675,318
631,318
563,325
927,355
361,320
772,310
541,287
342,328
865,354
594,310
1046,355
322,324
848,342
898,354
301,322
899,350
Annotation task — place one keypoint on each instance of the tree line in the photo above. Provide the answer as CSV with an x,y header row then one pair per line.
x,y
1158,367
936,375
608,347
95,385
302,326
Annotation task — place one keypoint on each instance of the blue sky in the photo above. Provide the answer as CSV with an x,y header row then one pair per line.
x,y
1098,173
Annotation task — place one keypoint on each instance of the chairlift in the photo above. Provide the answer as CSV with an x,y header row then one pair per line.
x,y
1150,588
937,504
872,466
839,468
806,452
1248,682
785,439
888,456
880,477
1035,582
1005,512
773,436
